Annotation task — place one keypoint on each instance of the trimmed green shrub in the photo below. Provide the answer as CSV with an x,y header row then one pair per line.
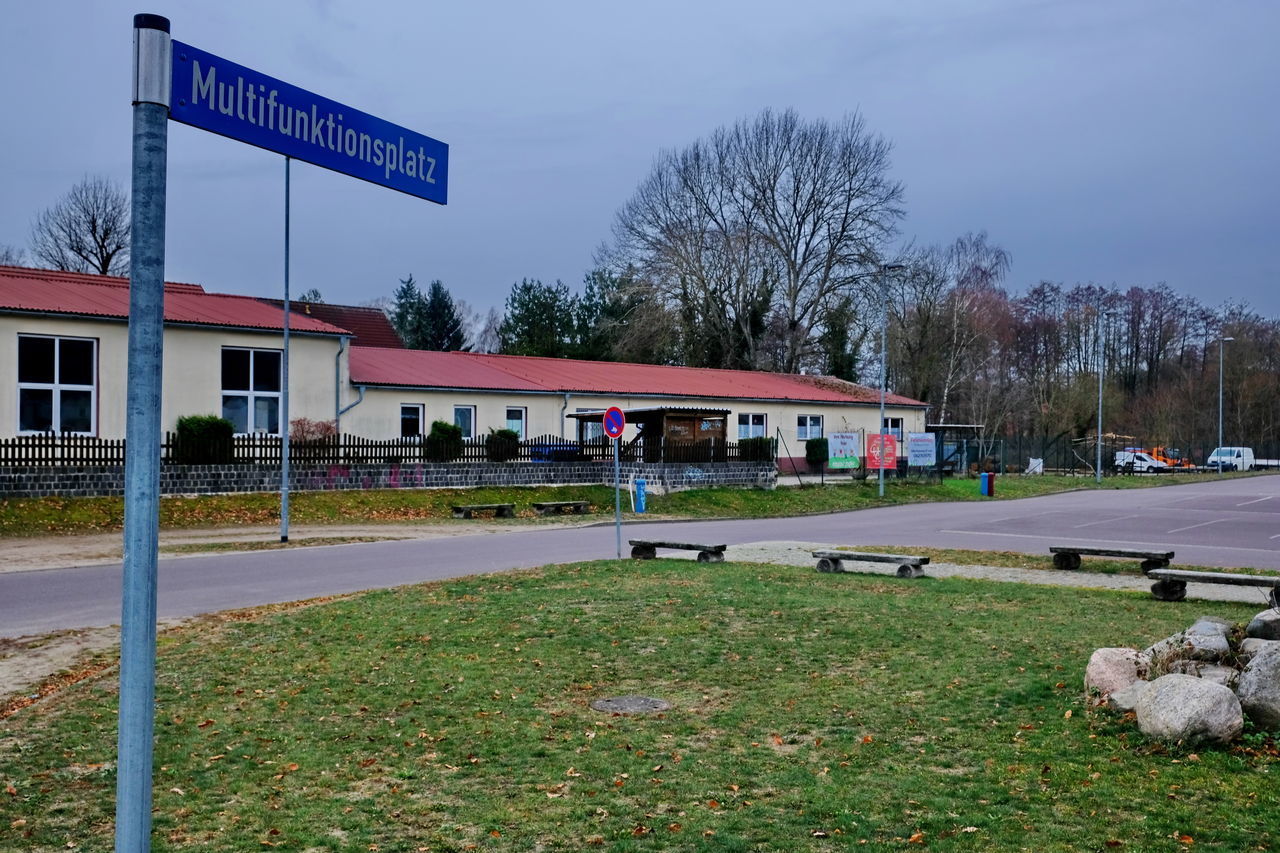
x,y
755,449
815,453
443,443
502,445
203,440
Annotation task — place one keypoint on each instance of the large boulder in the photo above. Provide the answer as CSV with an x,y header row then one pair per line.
x,y
1187,646
1265,626
1182,708
1250,646
1259,688
1113,669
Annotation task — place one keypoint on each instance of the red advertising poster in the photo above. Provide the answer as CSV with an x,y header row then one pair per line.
x,y
882,457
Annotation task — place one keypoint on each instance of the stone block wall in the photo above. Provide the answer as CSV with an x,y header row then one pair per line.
x,y
108,480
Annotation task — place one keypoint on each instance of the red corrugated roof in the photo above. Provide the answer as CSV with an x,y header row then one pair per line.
x,y
369,327
78,294
483,371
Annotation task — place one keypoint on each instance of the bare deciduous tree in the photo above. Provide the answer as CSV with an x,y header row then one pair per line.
x,y
11,256
86,231
752,233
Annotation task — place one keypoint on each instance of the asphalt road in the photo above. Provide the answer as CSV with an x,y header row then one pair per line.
x,y
1233,523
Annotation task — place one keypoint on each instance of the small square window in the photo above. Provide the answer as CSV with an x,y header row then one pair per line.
x,y
751,425
808,426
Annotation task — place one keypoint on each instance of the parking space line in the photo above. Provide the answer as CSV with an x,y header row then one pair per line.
x,y
1257,500
1104,521
1194,526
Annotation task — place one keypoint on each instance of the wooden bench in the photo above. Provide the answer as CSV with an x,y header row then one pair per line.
x,y
1171,584
544,507
499,510
833,561
1068,558
647,549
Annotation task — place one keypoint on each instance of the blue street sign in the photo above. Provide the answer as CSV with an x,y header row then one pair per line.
x,y
614,422
214,94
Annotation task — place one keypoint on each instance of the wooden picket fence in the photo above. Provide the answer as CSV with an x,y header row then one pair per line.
x,y
258,449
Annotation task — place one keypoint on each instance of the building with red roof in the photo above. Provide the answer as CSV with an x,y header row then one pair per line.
x,y
64,340
64,351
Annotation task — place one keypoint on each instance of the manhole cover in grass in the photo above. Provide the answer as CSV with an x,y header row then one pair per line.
x,y
630,705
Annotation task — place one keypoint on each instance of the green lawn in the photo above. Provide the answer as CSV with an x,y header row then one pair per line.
x,y
34,516
811,712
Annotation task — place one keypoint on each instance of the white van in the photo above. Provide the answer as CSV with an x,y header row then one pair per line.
x,y
1136,460
1231,459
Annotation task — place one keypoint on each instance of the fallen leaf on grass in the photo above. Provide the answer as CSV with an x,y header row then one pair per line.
x,y
916,838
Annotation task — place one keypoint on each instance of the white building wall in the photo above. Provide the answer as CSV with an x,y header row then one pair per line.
x,y
192,372
378,416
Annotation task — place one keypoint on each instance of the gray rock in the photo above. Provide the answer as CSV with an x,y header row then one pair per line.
x,y
1113,669
1211,625
1250,646
1265,626
1259,688
1180,708
1224,675
1187,646
1126,698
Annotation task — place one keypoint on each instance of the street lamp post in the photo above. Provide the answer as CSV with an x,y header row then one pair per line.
x,y
1222,345
884,333
1097,467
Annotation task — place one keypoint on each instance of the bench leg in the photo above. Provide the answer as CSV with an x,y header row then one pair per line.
x,y
907,570
1148,565
506,512
1273,598
643,552
1066,562
826,564
710,556
1169,590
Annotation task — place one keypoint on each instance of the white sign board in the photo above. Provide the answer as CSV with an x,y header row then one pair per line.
x,y
922,449
844,450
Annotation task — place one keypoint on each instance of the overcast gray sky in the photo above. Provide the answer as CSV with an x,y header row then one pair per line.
x,y
1124,142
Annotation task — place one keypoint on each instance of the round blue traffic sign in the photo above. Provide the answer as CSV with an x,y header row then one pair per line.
x,y
614,422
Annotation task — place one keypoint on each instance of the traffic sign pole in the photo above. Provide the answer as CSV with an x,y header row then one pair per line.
x,y
617,497
614,422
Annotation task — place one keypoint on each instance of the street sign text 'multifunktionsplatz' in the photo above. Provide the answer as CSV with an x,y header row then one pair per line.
x,y
220,96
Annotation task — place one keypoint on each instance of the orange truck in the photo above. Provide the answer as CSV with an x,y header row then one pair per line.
x,y
1170,456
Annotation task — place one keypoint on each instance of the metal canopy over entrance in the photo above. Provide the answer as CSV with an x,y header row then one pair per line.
x,y
668,433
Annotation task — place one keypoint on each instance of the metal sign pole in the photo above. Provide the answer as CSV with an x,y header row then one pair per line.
x,y
134,749
617,497
284,376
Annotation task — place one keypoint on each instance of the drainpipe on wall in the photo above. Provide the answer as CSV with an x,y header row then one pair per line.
x,y
563,410
337,383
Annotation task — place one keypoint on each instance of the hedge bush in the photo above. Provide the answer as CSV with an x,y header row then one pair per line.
x,y
502,445
204,440
443,443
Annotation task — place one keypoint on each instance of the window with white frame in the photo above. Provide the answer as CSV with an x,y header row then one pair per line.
x,y
410,419
591,429
808,426
57,384
893,427
751,425
251,389
465,417
517,417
